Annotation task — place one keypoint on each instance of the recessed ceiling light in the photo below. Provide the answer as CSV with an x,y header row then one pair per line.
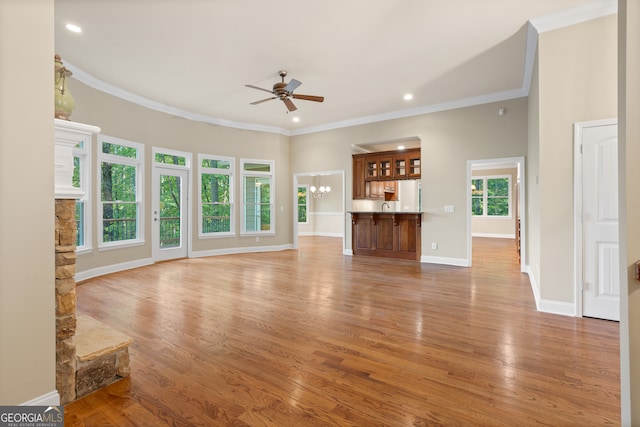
x,y
296,119
400,147
74,28
408,97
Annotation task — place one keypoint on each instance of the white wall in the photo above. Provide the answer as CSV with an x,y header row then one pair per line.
x,y
27,215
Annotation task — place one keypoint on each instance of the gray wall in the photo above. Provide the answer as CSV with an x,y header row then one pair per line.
x,y
449,139
577,82
123,119
629,136
27,216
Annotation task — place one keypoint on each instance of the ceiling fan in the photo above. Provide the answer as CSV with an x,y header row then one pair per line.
x,y
284,91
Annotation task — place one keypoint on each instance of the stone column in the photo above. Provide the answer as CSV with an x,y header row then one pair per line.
x,y
65,240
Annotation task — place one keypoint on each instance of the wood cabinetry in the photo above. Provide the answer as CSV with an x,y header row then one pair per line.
x,y
390,235
381,190
406,165
359,183
374,174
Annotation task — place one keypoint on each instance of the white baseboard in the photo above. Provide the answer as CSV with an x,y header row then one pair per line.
x,y
457,262
549,306
535,289
231,251
494,235
321,233
114,268
50,399
348,252
557,307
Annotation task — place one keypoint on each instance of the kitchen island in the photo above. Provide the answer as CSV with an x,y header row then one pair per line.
x,y
387,234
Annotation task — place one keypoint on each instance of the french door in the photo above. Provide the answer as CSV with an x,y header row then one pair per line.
x,y
170,213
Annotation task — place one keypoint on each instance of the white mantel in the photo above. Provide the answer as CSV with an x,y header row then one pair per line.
x,y
66,136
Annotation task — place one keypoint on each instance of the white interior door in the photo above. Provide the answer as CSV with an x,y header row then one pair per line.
x,y
601,270
169,213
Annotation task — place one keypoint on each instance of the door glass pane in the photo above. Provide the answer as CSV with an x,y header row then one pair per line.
x,y
170,211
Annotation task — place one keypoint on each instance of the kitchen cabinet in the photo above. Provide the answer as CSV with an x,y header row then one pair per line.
x,y
387,234
375,174
378,167
384,167
381,190
406,164
414,166
371,168
359,183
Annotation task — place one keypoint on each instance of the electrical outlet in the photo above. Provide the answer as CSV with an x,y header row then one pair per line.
x,y
434,246
257,238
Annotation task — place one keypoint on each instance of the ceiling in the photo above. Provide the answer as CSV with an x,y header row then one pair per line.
x,y
193,58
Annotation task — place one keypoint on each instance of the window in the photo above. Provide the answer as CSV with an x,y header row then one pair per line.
x,y
216,196
257,201
303,204
120,208
491,196
169,157
81,179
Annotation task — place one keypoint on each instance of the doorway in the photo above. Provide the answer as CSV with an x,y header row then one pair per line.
x,y
516,211
170,213
331,221
596,224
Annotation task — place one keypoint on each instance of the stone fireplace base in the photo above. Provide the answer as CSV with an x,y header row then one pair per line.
x,y
89,354
102,355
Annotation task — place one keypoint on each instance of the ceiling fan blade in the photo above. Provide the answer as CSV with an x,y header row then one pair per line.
x,y
259,88
289,104
292,85
308,97
263,100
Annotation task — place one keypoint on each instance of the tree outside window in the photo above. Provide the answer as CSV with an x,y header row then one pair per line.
x,y
303,203
120,169
81,179
490,196
257,177
216,195
477,196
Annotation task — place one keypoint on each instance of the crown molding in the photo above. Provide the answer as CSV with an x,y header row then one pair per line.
x,y
434,108
110,89
593,10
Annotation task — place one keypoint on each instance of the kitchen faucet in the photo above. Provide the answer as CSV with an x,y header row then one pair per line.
x,y
383,205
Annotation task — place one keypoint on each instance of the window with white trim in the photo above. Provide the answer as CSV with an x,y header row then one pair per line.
x,y
171,158
491,196
215,187
81,180
303,204
120,170
258,216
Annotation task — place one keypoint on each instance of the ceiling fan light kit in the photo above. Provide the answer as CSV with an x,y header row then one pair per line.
x,y
284,92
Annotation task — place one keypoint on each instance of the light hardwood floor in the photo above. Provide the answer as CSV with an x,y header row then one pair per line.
x,y
310,337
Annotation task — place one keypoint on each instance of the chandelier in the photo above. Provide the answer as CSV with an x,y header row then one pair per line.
x,y
319,193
